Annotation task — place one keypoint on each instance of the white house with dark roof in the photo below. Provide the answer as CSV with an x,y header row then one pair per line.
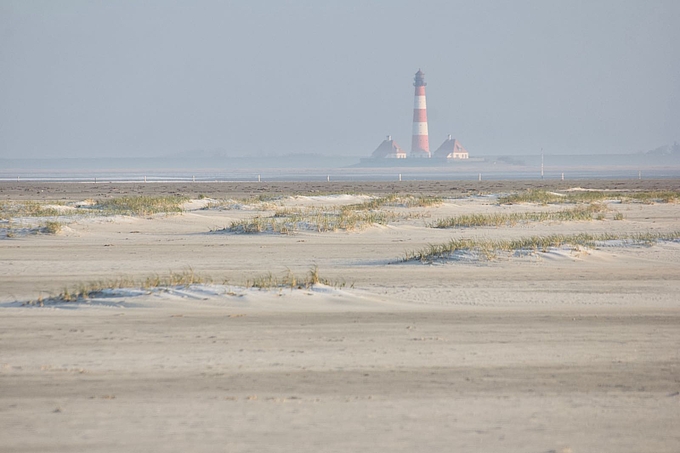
x,y
451,149
389,149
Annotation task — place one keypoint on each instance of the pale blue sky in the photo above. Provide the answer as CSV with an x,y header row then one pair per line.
x,y
154,77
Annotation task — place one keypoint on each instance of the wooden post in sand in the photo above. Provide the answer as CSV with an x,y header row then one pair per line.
x,y
541,163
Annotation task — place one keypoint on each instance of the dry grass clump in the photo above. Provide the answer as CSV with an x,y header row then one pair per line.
x,y
127,205
51,227
92,289
501,219
10,229
242,204
290,280
394,200
491,248
656,196
185,278
589,196
291,220
7,229
351,217
10,209
12,216
140,205
269,203
258,203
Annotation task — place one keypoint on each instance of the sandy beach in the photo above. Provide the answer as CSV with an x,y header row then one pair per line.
x,y
553,349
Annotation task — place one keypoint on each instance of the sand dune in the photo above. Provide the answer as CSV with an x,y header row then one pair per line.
x,y
564,349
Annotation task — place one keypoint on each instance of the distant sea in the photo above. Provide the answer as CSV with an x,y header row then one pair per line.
x,y
310,168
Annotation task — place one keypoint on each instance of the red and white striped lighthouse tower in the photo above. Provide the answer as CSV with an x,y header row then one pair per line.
x,y
420,145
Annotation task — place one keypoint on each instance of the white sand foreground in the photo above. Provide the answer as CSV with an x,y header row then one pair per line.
x,y
562,351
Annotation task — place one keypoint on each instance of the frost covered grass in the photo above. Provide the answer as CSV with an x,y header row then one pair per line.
x,y
589,196
502,219
489,248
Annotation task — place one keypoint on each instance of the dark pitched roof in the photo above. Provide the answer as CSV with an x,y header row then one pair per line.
x,y
387,147
449,146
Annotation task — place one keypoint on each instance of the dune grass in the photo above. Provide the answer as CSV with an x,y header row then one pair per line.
x,y
270,203
11,229
350,217
140,205
127,205
260,203
290,221
489,248
52,227
321,219
13,209
501,219
267,281
94,288
394,200
588,196
12,214
291,281
8,229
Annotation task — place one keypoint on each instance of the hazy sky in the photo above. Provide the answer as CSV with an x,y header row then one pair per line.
x,y
155,77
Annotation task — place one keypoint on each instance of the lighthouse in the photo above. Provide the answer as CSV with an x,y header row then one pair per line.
x,y
420,145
